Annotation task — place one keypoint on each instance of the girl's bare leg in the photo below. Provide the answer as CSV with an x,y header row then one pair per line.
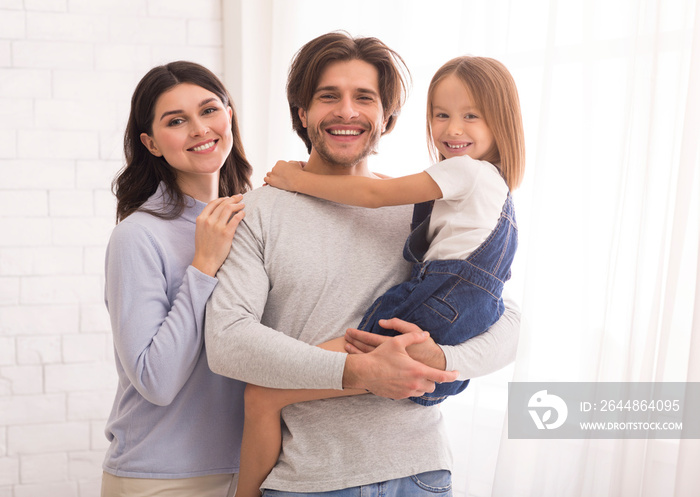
x,y
262,431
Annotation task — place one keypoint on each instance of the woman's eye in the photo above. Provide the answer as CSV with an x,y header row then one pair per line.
x,y
209,110
176,121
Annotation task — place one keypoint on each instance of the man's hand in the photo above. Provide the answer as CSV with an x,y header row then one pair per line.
x,y
389,371
426,351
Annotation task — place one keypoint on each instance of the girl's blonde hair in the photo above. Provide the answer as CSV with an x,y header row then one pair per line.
x,y
493,90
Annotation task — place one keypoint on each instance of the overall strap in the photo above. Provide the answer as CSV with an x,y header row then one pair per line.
x,y
417,243
421,212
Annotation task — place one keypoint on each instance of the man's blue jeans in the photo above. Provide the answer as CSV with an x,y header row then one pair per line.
x,y
431,483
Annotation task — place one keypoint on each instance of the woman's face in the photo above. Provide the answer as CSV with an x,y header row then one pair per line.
x,y
192,130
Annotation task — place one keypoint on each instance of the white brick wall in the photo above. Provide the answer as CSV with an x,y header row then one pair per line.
x,y
67,71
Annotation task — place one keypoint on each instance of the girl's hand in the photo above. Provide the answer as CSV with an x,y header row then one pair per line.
x,y
213,235
284,175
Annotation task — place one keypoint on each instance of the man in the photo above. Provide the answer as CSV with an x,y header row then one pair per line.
x,y
301,270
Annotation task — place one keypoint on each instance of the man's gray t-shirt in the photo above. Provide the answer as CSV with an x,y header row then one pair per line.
x,y
302,270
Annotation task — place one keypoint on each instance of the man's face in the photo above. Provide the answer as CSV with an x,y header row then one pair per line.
x,y
345,118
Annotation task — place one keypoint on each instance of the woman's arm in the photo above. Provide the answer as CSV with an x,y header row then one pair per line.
x,y
355,190
158,342
158,338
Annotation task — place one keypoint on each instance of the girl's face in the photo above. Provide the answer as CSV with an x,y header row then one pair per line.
x,y
458,126
192,131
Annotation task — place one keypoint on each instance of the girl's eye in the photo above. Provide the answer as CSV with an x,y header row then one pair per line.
x,y
471,116
441,115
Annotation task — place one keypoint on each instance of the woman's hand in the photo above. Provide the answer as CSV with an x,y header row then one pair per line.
x,y
427,352
284,174
216,226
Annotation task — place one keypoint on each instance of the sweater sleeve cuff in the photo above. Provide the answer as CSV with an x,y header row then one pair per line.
x,y
200,277
337,369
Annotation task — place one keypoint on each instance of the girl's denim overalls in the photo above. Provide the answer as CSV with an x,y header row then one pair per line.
x,y
454,300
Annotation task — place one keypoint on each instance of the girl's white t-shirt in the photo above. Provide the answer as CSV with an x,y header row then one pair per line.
x,y
473,194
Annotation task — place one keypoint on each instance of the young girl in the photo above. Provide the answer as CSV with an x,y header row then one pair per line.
x,y
175,427
462,251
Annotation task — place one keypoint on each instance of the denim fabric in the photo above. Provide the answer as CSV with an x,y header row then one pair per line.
x,y
420,485
454,300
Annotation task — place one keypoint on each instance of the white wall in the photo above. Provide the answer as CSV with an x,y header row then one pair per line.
x,y
67,70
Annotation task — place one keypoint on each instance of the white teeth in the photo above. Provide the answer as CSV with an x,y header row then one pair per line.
x,y
352,132
204,147
457,146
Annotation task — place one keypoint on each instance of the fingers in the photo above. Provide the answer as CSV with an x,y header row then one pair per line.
x,y
438,376
234,221
399,325
427,372
408,339
218,203
351,349
402,375
364,341
224,210
209,208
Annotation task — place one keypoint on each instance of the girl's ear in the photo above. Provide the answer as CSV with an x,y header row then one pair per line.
x,y
302,116
150,144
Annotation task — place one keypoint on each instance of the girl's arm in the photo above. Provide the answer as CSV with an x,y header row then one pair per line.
x,y
355,190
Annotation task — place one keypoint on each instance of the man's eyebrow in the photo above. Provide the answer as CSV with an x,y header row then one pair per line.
x,y
368,91
325,88
180,111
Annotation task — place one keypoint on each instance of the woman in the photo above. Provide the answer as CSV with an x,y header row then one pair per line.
x,y
175,427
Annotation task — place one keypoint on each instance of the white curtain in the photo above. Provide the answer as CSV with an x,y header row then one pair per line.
x,y
607,272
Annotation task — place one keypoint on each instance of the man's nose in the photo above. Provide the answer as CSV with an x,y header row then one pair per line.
x,y
346,108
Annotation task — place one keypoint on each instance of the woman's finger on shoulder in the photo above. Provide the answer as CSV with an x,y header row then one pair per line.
x,y
234,221
223,210
211,206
